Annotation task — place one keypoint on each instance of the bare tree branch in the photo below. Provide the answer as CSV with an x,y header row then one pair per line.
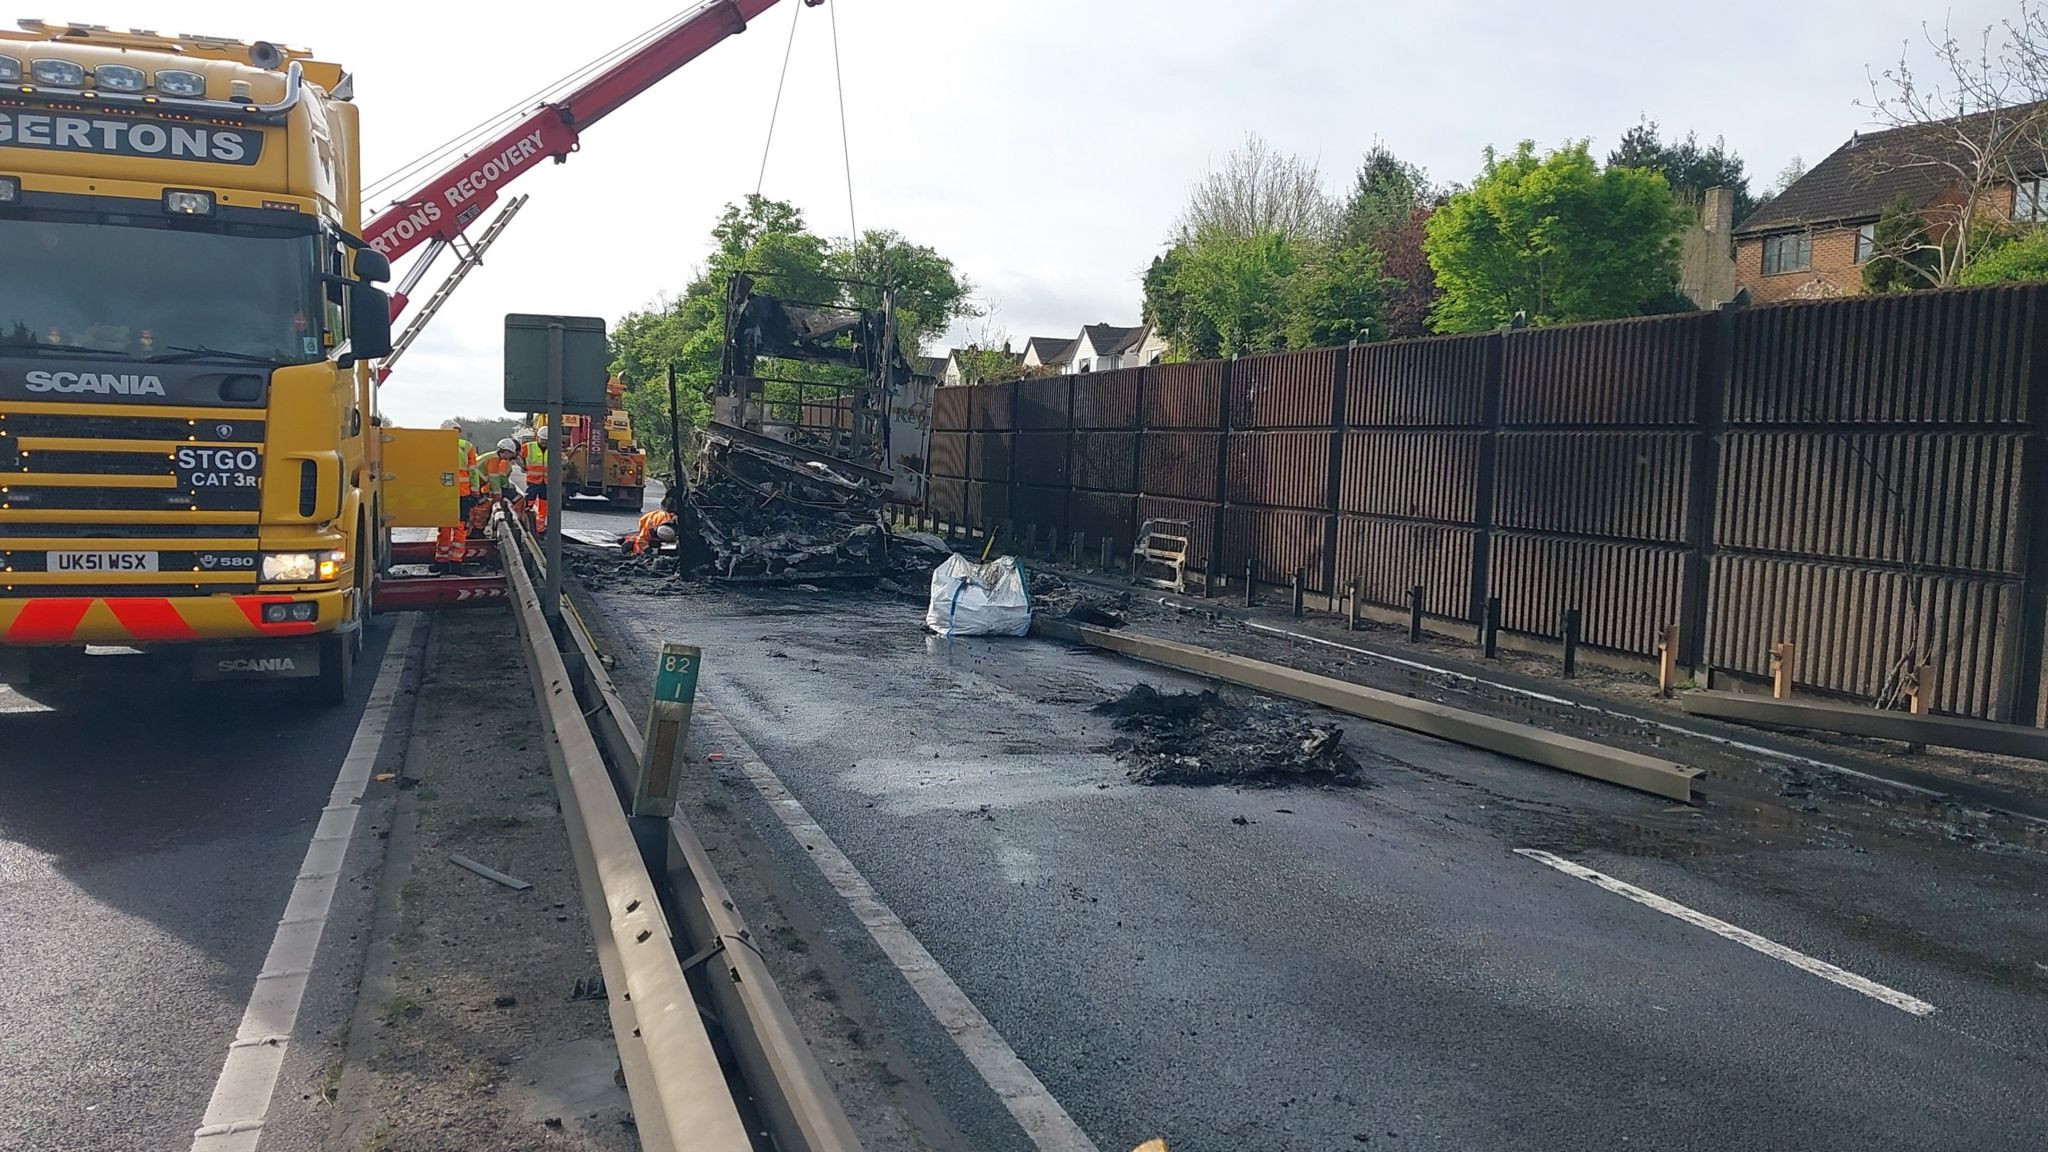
x,y
1972,133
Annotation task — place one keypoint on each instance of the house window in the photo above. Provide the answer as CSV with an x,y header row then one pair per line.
x,y
1789,253
2030,200
1866,243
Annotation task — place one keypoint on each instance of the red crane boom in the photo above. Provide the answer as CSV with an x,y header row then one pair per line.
x,y
447,204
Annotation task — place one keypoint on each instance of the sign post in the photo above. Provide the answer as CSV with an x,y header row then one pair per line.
x,y
662,748
556,365
551,597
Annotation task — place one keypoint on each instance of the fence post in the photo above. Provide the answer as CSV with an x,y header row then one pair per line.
x,y
1491,402
2026,704
1142,389
1220,531
1339,431
1709,426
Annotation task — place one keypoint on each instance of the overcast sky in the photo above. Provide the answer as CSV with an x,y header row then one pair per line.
x,y
1043,145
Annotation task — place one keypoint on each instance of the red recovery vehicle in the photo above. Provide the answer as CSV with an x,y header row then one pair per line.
x,y
438,213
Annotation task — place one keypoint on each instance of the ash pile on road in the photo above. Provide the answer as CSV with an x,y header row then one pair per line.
x,y
1202,738
1052,595
602,571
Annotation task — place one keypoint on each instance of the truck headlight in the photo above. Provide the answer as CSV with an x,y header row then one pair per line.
x,y
290,567
57,73
118,78
182,202
176,82
10,70
10,189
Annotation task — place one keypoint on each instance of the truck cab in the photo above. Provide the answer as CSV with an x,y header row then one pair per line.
x,y
187,316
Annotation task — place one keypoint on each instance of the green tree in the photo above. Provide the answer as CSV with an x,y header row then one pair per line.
x,y
1391,201
1902,257
1386,192
1339,296
1688,167
1188,331
1239,286
1555,237
929,294
2021,258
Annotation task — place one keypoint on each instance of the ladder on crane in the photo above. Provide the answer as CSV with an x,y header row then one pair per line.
x,y
468,255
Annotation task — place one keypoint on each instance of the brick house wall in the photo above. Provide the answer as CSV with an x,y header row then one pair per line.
x,y
1834,271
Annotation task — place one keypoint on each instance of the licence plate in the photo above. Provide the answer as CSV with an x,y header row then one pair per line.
x,y
100,562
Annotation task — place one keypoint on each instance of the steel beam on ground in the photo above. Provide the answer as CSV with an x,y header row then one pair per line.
x,y
1855,720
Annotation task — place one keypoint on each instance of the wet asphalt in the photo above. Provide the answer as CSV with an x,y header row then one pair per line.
x,y
1368,968
150,833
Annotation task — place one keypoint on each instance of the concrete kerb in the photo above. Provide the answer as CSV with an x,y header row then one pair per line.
x,y
1521,741
1850,719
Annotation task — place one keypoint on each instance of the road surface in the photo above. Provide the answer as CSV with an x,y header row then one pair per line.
x,y
151,833
1451,957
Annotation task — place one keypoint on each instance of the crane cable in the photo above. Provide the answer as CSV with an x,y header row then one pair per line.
x,y
845,148
523,106
512,112
775,112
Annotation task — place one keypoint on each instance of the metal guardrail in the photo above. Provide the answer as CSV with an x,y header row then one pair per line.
x,y
629,875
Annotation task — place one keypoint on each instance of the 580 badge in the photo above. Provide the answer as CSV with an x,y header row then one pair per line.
x,y
204,467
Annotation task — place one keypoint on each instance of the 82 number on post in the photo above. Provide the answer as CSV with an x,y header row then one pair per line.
x,y
676,678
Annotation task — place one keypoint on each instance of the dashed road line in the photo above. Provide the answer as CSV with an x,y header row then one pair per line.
x,y
1742,936
241,1096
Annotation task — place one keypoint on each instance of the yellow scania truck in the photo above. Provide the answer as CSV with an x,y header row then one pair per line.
x,y
188,454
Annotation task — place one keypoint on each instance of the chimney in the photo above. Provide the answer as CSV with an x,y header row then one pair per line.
x,y
1717,215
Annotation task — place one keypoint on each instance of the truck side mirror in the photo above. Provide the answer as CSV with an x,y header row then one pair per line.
x,y
372,266
369,323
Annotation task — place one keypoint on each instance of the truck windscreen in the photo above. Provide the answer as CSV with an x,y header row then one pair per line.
x,y
146,292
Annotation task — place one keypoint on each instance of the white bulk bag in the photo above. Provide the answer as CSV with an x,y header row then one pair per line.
x,y
970,599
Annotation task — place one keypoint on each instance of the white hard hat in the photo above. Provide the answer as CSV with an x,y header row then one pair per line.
x,y
665,532
452,425
541,435
508,445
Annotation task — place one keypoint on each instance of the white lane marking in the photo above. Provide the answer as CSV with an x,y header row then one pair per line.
x,y
241,1097
1742,936
1029,1103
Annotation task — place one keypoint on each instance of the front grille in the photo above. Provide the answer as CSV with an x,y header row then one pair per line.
x,y
238,430
116,591
16,496
48,460
82,463
106,533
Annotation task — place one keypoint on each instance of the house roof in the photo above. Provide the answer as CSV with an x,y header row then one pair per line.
x,y
1110,340
1873,169
1052,349
933,366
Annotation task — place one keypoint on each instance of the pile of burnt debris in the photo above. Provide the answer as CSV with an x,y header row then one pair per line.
x,y
1053,595
1204,738
755,516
